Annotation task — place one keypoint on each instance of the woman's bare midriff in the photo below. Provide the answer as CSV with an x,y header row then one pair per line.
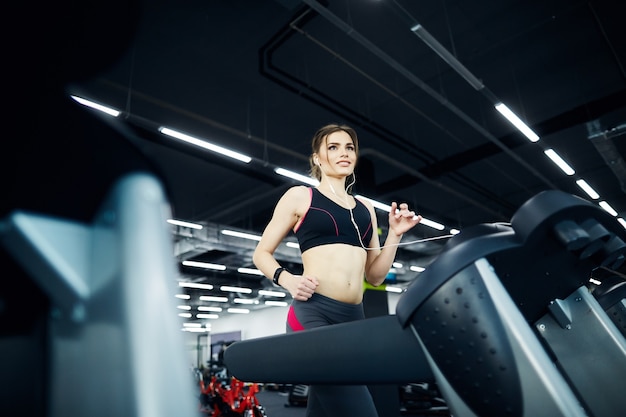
x,y
334,267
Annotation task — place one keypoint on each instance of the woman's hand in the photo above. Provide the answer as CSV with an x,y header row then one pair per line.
x,y
300,287
401,219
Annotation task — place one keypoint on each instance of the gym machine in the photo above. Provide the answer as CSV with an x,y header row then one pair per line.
x,y
505,320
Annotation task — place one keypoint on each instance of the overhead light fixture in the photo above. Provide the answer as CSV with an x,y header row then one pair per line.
x,y
183,296
210,308
608,208
184,315
431,223
387,208
241,235
184,224
376,204
396,290
204,144
205,265
229,288
396,265
195,285
238,310
417,268
294,245
276,303
269,293
622,222
556,158
454,231
295,176
588,189
245,301
450,59
517,122
207,316
184,307
104,109
216,299
250,271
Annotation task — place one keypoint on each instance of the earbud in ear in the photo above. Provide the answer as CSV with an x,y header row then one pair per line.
x,y
317,161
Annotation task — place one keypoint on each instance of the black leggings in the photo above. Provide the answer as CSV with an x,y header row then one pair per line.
x,y
331,400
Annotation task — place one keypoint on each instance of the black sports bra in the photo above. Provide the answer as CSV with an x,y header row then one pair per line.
x,y
326,222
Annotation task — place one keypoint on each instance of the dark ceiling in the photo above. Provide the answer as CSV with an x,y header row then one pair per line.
x,y
260,76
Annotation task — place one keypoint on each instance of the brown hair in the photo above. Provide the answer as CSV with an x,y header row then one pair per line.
x,y
320,137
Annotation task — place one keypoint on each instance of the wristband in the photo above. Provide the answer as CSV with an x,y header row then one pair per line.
x,y
277,275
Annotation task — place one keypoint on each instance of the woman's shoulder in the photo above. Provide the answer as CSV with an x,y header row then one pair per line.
x,y
298,192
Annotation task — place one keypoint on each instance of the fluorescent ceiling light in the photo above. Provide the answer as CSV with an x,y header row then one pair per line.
x,y
205,265
184,224
397,290
241,235
183,296
387,208
100,107
608,208
517,122
397,265
238,310
588,189
450,59
196,329
417,268
195,285
454,231
292,245
184,307
235,289
210,308
431,223
204,144
190,325
213,298
272,293
276,303
622,222
184,315
245,301
559,161
207,316
299,177
251,271
376,204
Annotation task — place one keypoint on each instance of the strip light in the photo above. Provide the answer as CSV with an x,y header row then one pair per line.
x,y
205,265
517,122
556,158
242,235
104,109
184,224
295,176
204,144
588,189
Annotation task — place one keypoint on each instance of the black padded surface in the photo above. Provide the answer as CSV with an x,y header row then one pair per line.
x,y
375,350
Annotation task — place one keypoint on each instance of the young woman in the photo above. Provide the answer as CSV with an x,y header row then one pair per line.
x,y
340,248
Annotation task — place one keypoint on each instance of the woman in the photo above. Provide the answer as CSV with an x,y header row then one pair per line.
x,y
340,248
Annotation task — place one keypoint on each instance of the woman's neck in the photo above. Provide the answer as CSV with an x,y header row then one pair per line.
x,y
334,186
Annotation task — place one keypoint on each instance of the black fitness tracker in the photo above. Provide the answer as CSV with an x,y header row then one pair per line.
x,y
277,275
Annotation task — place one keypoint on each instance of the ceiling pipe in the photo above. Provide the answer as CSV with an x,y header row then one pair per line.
x,y
602,140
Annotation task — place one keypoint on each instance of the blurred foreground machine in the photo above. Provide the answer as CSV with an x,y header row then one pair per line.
x,y
506,321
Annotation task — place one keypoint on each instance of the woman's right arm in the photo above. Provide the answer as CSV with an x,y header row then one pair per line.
x,y
286,214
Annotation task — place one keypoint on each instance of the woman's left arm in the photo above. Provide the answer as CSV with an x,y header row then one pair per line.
x,y
379,262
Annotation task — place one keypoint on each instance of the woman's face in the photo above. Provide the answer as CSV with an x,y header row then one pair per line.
x,y
338,154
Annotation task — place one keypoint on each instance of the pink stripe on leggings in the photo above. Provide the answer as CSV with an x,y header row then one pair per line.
x,y
292,320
